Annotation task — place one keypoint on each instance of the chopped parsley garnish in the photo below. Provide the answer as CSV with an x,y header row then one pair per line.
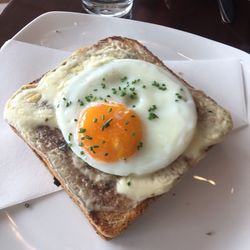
x,y
144,86
110,110
133,106
180,97
103,85
82,153
82,130
95,120
95,90
106,124
129,183
103,142
139,146
152,108
87,137
136,81
159,86
80,144
68,104
133,133
69,136
103,117
133,95
80,102
152,116
93,147
123,93
90,98
125,78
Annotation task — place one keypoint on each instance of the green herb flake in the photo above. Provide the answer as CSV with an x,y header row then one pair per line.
x,y
129,183
95,120
68,104
82,130
87,137
125,78
106,154
136,81
103,141
126,122
123,93
144,86
95,90
80,144
152,108
106,124
103,85
92,149
103,117
81,103
82,153
110,110
152,116
133,134
140,145
91,98
114,91
70,136
179,96
159,86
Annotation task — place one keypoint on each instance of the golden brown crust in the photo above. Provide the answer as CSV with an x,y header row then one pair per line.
x,y
110,224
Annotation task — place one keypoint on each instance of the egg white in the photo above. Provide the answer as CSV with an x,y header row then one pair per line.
x,y
164,138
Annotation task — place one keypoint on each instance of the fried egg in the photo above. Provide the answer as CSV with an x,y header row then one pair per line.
x,y
126,117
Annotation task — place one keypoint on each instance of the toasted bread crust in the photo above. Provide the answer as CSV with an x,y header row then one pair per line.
x,y
109,224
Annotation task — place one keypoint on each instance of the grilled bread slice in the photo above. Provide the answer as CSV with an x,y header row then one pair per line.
x,y
33,118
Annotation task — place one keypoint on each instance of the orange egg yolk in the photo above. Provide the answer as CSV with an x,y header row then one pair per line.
x,y
109,132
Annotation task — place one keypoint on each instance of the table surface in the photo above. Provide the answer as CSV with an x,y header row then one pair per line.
x,y
194,16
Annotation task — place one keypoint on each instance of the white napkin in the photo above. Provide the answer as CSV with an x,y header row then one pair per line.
x,y
22,176
221,79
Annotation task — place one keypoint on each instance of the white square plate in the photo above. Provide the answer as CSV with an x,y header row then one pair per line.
x,y
195,214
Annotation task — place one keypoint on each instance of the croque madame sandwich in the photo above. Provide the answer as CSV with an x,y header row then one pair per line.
x,y
116,127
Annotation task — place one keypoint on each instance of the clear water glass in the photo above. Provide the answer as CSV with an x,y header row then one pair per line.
x,y
114,8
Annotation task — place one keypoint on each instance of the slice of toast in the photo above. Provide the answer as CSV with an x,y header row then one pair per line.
x,y
109,213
